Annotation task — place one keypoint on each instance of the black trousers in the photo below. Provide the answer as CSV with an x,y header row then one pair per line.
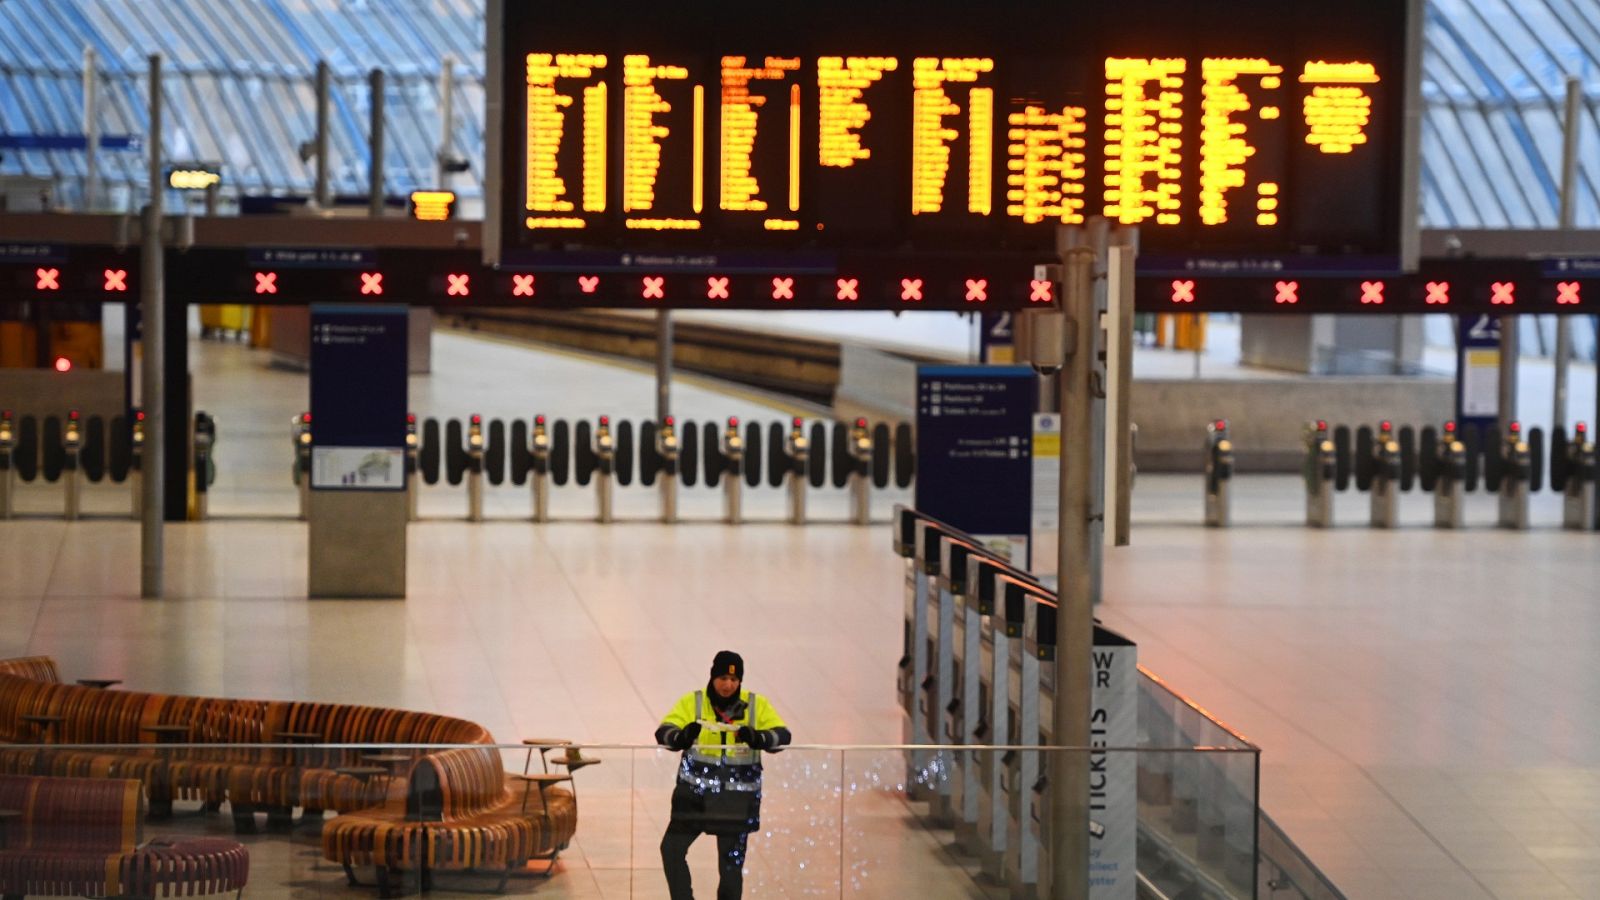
x,y
730,862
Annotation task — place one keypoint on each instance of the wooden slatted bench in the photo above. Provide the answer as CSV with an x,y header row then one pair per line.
x,y
80,836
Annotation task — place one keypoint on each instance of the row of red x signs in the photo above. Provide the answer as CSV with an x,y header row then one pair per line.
x,y
1501,293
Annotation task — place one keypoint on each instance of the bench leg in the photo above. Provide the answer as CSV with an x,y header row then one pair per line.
x,y
244,819
280,819
160,808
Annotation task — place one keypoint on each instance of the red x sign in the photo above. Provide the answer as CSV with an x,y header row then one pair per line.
x,y
716,288
1288,292
372,283
588,283
654,287
522,285
911,289
1438,293
460,285
1567,293
1372,293
1041,290
847,288
1503,293
116,279
783,288
977,290
1183,292
49,279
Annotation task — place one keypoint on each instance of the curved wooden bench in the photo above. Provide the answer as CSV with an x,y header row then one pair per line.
x,y
80,836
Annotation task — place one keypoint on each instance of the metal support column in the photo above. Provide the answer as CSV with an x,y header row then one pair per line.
x,y
1081,380
663,365
91,130
1510,356
1569,187
324,101
153,327
447,107
375,144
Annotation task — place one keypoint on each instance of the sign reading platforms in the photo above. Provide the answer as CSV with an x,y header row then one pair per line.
x,y
919,128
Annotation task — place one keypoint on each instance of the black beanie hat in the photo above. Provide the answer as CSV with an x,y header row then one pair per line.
x,y
728,662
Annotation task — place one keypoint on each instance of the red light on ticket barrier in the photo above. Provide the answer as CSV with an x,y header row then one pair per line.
x,y
1322,424
1582,429
604,420
266,282
798,421
670,420
911,290
460,285
1221,425
372,283
1438,293
1516,427
654,287
411,418
588,283
861,423
783,288
47,279
1288,292
1183,292
1567,293
117,280
733,421
538,420
1041,290
139,416
522,285
847,289
977,290
1372,293
1503,293
1449,428
716,287
63,364
1386,425
477,419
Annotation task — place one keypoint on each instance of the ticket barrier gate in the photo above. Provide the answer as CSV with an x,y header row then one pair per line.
x,y
732,473
859,453
1378,471
1218,474
136,463
1321,471
302,461
538,472
667,449
413,477
1445,473
1515,474
969,714
999,642
205,467
474,468
604,464
71,445
1573,464
947,623
909,533
1028,799
793,462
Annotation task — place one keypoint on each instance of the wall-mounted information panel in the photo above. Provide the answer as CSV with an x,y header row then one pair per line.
x,y
1251,128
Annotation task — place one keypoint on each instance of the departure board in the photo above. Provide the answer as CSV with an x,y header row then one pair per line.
x,y
1219,128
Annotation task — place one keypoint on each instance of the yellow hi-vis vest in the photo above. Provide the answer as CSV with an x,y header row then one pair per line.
x,y
716,744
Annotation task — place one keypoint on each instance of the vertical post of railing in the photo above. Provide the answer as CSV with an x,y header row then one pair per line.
x,y
153,327
1569,215
375,152
324,101
1077,555
447,109
91,130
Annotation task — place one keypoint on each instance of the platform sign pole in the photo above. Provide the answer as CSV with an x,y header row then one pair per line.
x,y
153,317
1569,213
1081,526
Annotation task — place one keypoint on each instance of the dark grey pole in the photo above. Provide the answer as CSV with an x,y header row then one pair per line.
x,y
153,327
1569,215
375,136
324,92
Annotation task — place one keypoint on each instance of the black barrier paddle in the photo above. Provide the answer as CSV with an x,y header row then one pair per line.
x,y
119,449
1493,459
26,454
623,460
752,454
818,463
843,462
455,452
92,458
494,456
689,454
1428,459
1364,463
55,455
560,451
1471,444
650,461
1341,458
428,453
1535,459
905,456
1559,468
880,455
521,457
778,464
584,459
716,462
1408,457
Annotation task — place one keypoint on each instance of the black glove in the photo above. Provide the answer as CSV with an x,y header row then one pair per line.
x,y
687,737
751,738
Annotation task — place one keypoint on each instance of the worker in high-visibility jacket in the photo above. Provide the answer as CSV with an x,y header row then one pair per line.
x,y
722,731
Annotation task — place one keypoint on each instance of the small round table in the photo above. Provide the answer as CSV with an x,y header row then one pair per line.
x,y
185,865
101,683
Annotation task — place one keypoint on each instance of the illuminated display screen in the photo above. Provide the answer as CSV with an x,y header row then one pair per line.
x,y
920,128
